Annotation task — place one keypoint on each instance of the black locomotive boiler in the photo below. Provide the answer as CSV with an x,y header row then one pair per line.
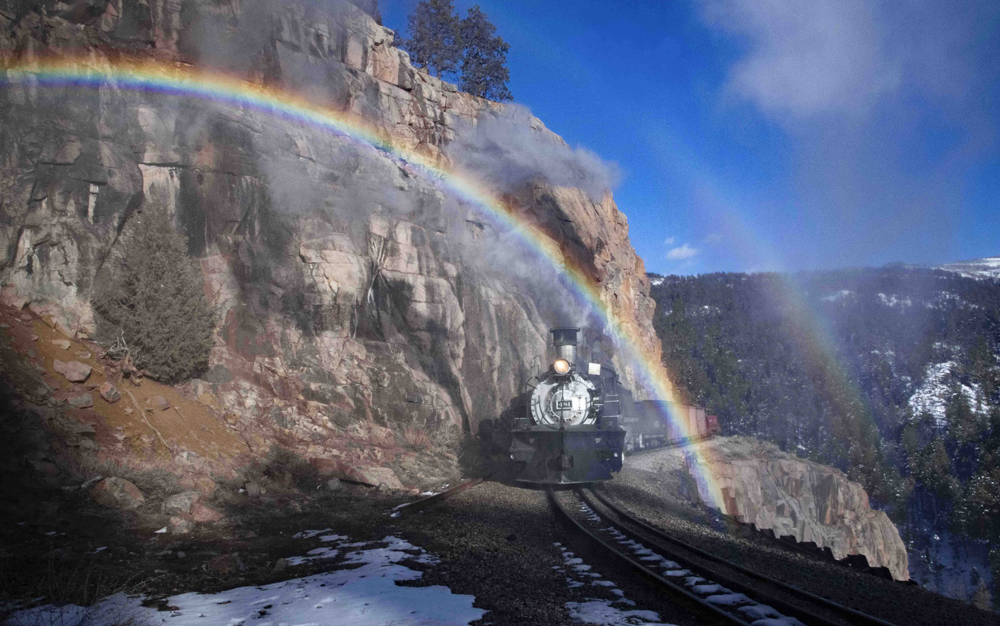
x,y
572,432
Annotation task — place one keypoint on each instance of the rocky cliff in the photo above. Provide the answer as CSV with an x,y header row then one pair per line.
x,y
760,484
354,300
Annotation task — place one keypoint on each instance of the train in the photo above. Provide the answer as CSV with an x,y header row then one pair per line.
x,y
659,423
580,422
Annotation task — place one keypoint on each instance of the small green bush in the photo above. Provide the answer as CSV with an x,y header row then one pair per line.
x,y
156,299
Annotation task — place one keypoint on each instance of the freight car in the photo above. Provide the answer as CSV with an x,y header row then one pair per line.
x,y
571,433
658,423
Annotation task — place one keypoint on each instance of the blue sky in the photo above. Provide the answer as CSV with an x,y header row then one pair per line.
x,y
763,135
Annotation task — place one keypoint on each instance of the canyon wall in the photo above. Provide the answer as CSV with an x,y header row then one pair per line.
x,y
759,484
351,295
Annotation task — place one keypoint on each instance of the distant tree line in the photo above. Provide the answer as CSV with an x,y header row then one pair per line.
x,y
451,47
824,364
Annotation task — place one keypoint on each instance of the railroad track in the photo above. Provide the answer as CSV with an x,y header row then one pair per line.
x,y
720,591
423,503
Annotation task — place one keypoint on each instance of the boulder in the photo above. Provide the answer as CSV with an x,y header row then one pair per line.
x,y
334,484
158,403
180,526
372,476
62,344
81,401
180,502
203,484
74,371
204,514
117,493
110,393
226,564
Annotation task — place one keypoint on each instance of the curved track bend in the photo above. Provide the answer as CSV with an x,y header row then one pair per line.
x,y
706,572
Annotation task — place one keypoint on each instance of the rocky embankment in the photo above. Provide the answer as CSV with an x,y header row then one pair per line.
x,y
759,484
357,305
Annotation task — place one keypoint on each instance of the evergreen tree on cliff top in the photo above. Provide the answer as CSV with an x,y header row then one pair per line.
x,y
449,47
484,61
435,38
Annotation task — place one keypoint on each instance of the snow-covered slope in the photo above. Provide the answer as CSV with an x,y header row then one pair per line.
x,y
935,392
979,268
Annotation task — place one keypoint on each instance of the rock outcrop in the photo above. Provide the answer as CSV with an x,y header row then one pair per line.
x,y
760,484
353,299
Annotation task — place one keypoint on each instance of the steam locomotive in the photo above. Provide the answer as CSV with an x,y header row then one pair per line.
x,y
579,425
572,433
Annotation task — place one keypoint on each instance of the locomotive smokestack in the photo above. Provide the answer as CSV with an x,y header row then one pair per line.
x,y
564,339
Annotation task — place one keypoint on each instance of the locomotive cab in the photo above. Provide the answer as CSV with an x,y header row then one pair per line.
x,y
571,433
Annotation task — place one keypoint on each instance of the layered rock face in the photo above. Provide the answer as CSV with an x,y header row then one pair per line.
x,y
760,484
354,299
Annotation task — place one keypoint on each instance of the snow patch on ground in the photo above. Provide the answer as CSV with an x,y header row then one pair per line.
x,y
894,301
365,596
932,396
601,612
840,295
597,611
656,281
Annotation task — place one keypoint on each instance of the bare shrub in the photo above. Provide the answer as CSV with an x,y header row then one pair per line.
x,y
156,299
281,470
151,479
69,592
417,438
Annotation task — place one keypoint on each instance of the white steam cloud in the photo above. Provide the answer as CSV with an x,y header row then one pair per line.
x,y
510,148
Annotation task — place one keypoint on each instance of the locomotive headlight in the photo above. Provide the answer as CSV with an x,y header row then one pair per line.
x,y
561,366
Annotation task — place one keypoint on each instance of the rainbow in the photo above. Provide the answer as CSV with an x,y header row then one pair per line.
x,y
176,80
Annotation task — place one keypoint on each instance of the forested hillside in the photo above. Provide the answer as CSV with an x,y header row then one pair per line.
x,y
891,374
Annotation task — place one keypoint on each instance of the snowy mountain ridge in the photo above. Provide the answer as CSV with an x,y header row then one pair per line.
x,y
980,269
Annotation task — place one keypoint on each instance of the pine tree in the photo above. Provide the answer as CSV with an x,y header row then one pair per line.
x,y
484,61
156,300
435,37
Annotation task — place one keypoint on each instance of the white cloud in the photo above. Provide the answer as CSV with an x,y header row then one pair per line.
x,y
805,58
669,241
681,253
865,90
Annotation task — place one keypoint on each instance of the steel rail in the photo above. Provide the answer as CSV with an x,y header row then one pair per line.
x,y
648,573
852,615
423,503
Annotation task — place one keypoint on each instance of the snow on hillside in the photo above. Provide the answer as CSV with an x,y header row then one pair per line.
x,y
979,269
893,300
656,281
932,396
840,295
